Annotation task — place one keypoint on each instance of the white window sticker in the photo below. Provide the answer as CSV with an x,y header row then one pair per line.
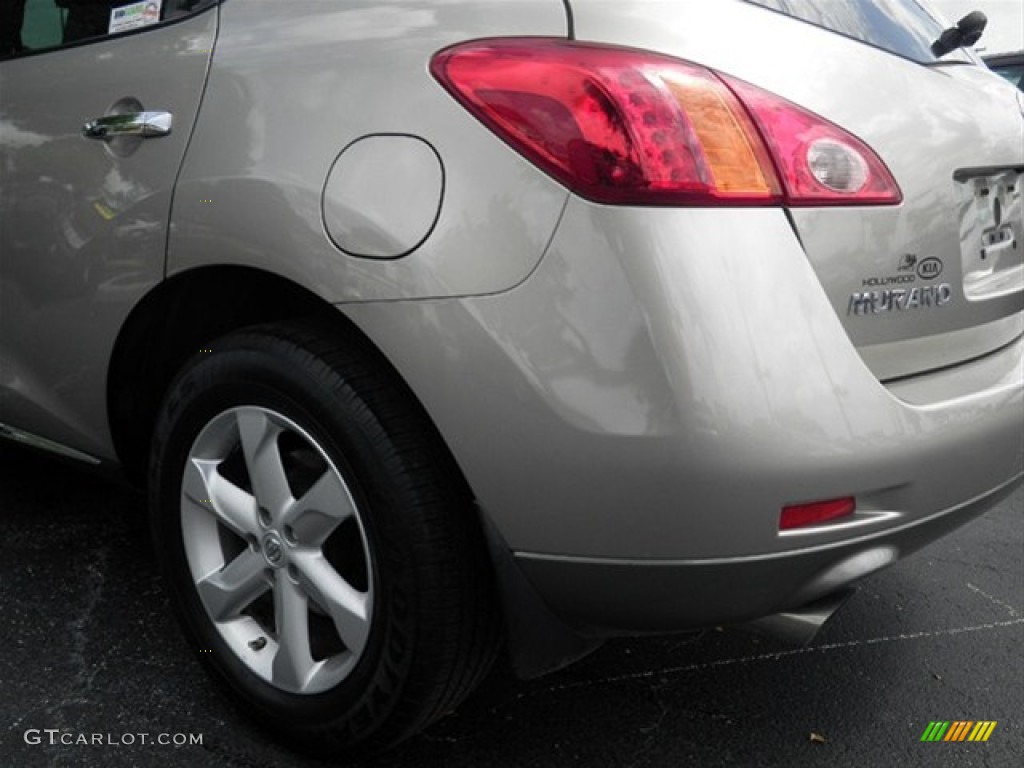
x,y
134,15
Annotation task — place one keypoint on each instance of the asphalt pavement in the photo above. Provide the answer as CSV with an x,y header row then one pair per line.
x,y
90,656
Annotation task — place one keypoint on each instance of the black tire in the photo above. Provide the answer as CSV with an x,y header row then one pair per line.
x,y
433,626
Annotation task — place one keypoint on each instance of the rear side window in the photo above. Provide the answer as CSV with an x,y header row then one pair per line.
x,y
1012,72
902,27
34,25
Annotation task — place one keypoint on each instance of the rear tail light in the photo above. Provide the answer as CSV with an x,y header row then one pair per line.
x,y
623,126
815,513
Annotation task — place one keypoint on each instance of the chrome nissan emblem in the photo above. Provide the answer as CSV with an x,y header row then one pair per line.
x,y
273,550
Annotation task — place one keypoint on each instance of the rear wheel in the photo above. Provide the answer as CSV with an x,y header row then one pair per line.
x,y
317,542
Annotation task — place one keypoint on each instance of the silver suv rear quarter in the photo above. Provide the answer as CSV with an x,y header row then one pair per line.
x,y
636,415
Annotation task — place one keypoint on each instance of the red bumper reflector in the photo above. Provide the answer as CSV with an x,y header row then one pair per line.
x,y
800,515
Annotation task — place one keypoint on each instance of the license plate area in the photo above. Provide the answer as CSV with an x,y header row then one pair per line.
x,y
991,211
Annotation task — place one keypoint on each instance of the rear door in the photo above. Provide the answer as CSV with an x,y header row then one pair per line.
x,y
97,102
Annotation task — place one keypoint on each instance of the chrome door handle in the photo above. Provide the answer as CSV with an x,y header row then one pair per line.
x,y
146,125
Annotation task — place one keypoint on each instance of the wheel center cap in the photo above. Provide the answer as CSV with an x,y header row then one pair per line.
x,y
273,549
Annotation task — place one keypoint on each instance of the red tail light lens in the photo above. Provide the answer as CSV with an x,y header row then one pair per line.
x,y
815,513
623,126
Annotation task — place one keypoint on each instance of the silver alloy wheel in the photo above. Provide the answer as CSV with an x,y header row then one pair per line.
x,y
276,549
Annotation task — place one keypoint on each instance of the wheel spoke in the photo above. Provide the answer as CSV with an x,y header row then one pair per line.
x,y
348,608
293,662
227,592
258,435
320,510
206,487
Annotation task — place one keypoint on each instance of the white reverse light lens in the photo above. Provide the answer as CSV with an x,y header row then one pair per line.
x,y
838,166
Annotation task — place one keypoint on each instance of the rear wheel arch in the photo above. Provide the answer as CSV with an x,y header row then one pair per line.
x,y
176,319
173,322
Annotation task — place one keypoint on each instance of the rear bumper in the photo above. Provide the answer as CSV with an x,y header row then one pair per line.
x,y
608,597
633,417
